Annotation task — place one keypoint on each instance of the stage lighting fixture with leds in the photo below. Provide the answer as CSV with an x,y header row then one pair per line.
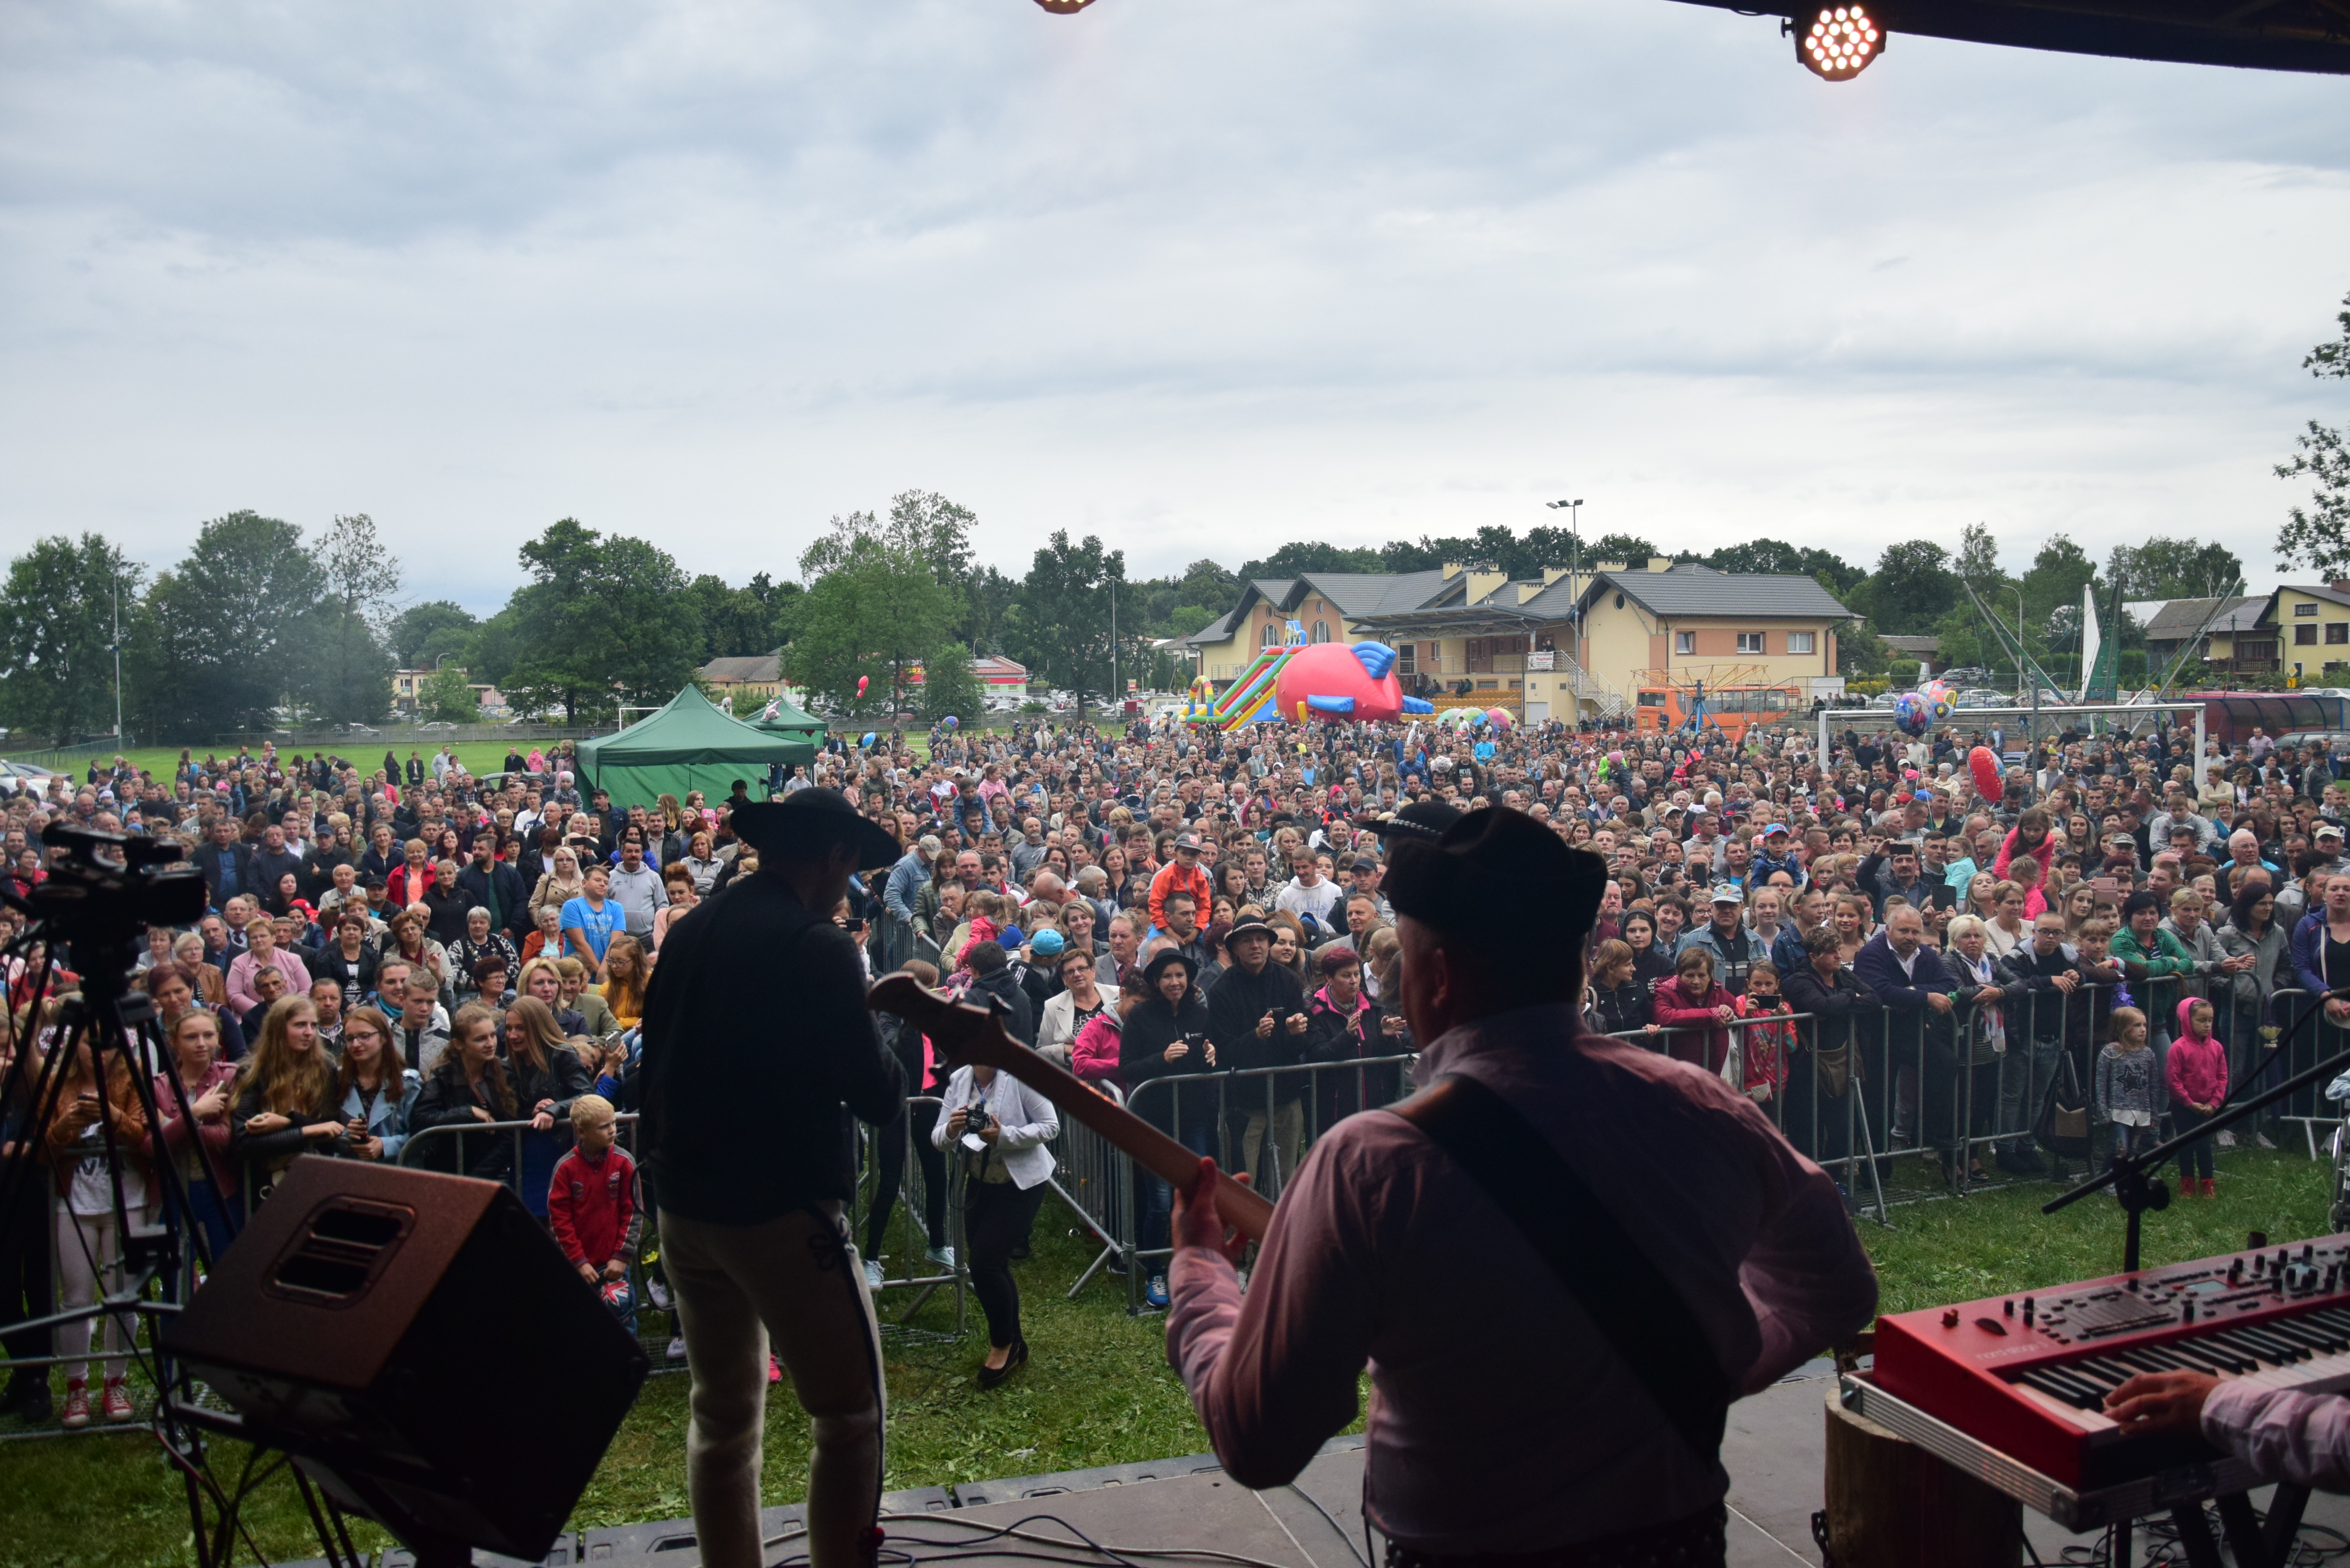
x,y
1840,44
1065,7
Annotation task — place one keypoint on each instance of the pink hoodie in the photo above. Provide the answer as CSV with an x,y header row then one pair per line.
x,y
2196,1067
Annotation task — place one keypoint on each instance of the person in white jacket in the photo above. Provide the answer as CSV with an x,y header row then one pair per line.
x,y
998,1127
1070,1009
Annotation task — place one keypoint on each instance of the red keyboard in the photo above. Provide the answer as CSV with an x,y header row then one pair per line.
x,y
2028,1373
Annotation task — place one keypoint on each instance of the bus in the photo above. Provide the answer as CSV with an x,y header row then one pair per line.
x,y
1732,709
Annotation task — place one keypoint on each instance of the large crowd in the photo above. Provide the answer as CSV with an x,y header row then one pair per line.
x,y
1888,958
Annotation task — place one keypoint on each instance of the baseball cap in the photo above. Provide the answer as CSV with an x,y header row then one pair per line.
x,y
1773,829
2325,830
1046,943
1728,893
1187,841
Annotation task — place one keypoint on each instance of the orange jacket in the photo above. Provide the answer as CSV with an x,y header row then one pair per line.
x,y
1173,877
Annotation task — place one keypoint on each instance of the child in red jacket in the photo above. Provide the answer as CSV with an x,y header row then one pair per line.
x,y
2196,1068
1763,1048
591,1201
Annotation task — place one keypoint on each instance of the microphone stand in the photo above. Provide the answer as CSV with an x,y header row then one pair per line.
x,y
2129,1175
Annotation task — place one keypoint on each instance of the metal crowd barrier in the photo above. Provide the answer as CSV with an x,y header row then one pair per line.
x,y
916,1236
1254,1127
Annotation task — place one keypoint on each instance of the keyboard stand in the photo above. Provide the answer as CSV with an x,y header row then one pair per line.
x,y
2181,1491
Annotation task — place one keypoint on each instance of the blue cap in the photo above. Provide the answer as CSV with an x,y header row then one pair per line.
x,y
1046,944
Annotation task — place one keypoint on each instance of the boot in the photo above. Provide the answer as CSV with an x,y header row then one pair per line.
x,y
2210,1187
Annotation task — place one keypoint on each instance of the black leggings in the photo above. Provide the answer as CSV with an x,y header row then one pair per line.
x,y
997,1216
889,1176
27,1289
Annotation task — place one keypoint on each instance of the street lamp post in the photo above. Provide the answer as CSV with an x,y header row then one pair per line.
x,y
1574,510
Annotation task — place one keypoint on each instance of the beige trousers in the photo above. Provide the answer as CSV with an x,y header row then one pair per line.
x,y
794,1282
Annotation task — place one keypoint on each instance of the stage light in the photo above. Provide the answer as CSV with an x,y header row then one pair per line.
x,y
1065,7
1840,44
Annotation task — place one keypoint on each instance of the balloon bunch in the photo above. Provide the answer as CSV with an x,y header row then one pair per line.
x,y
1499,718
1912,713
1938,696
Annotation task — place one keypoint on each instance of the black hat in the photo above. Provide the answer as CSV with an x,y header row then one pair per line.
x,y
1497,862
1244,926
1165,956
805,824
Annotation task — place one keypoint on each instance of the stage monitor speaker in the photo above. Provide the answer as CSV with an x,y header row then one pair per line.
x,y
421,1346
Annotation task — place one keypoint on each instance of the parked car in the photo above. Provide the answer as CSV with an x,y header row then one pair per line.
x,y
1962,676
356,728
437,724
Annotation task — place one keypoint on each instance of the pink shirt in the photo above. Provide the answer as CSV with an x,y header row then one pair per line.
x,y
1498,1422
2303,1437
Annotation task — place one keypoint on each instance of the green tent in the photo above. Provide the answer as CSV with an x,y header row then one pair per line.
x,y
688,745
781,718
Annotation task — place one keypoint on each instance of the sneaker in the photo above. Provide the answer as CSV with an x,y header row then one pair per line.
x,y
657,1293
676,1347
2262,1138
774,1370
873,1273
2227,1139
2210,1187
77,1411
1156,1295
115,1402
942,1255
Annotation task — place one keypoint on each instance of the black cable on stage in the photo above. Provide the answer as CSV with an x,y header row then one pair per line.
x,y
1334,1526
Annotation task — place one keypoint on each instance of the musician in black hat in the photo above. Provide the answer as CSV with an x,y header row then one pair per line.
x,y
745,1138
1562,1259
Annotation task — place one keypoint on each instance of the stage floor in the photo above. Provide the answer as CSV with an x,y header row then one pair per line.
x,y
1773,1449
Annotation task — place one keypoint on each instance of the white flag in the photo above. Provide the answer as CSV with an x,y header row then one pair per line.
x,y
2090,641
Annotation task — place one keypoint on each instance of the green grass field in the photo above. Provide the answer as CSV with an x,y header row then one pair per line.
x,y
1098,1390
479,756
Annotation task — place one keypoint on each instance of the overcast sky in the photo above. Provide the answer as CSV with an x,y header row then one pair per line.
x,y
1197,276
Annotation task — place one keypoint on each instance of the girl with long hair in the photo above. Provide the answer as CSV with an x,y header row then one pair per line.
x,y
625,969
375,1092
470,1086
197,1142
89,1121
285,1100
548,1074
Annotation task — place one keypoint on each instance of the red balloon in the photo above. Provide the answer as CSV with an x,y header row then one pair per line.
x,y
862,682
1983,762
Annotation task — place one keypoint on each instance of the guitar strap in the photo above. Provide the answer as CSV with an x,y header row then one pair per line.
x,y
1627,1299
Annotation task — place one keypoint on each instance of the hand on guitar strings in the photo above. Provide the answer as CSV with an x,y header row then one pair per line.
x,y
1197,1223
2162,1402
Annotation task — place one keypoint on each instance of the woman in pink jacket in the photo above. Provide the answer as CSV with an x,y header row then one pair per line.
x,y
1092,1055
2196,1067
1695,1011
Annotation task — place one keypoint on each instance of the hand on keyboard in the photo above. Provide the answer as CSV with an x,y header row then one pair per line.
x,y
2162,1402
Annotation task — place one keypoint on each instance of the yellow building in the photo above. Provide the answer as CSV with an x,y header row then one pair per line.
x,y
1565,647
2311,627
760,675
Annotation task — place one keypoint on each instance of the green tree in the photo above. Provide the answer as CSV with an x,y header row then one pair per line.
x,y
423,634
1775,557
446,696
162,655
246,592
1065,614
2166,568
345,672
1978,562
603,621
1628,548
949,685
2318,535
1910,590
1301,556
736,622
876,614
56,636
988,597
